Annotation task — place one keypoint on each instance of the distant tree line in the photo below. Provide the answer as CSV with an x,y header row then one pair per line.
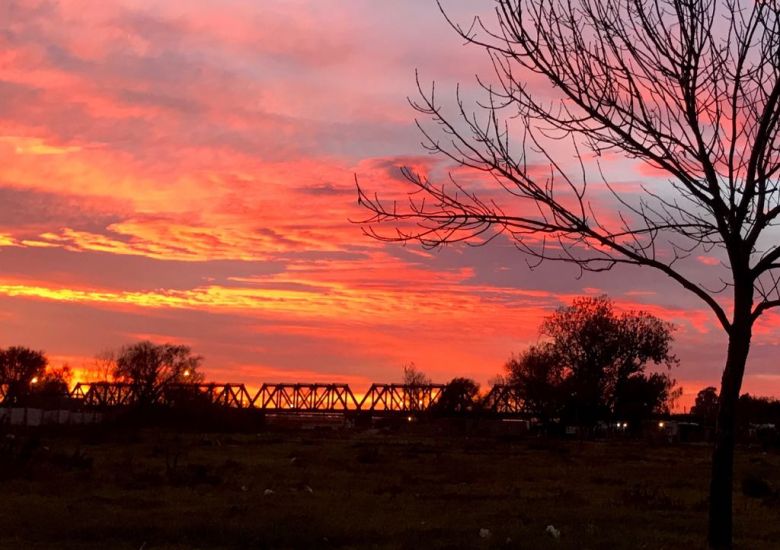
x,y
750,409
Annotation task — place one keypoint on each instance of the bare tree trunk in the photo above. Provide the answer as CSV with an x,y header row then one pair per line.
x,y
720,529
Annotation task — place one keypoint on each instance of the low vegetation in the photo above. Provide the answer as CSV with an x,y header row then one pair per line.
x,y
407,487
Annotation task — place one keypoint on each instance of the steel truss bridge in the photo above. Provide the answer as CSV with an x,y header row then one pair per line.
x,y
289,398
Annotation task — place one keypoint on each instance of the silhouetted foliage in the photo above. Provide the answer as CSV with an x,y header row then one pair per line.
x,y
592,365
758,410
51,389
460,395
148,366
706,405
759,419
640,396
21,369
601,351
538,375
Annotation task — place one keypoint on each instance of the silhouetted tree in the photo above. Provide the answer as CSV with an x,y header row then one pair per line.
x,y
51,388
21,369
413,379
460,395
414,376
752,409
706,405
498,380
148,366
592,365
690,89
537,375
604,356
104,365
640,396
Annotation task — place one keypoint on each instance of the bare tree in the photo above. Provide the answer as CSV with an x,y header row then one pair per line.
x,y
149,367
690,88
414,376
104,365
414,380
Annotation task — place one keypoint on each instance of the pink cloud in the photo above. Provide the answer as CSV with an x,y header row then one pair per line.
x,y
708,260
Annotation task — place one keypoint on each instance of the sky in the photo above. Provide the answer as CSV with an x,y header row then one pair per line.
x,y
185,172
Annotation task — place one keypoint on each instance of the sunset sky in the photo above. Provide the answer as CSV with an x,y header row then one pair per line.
x,y
185,171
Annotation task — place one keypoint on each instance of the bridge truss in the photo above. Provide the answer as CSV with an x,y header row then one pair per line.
x,y
224,395
105,394
305,398
502,400
401,397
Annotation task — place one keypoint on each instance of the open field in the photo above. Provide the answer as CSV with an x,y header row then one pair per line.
x,y
365,489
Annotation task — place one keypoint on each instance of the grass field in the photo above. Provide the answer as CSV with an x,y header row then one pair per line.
x,y
411,488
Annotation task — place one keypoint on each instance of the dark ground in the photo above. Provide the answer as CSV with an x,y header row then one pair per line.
x,y
412,488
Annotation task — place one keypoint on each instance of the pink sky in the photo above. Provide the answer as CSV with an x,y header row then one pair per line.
x,y
184,171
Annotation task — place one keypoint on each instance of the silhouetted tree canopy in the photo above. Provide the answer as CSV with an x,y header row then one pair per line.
x,y
641,395
591,365
758,410
52,387
460,395
706,405
21,369
538,375
149,366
